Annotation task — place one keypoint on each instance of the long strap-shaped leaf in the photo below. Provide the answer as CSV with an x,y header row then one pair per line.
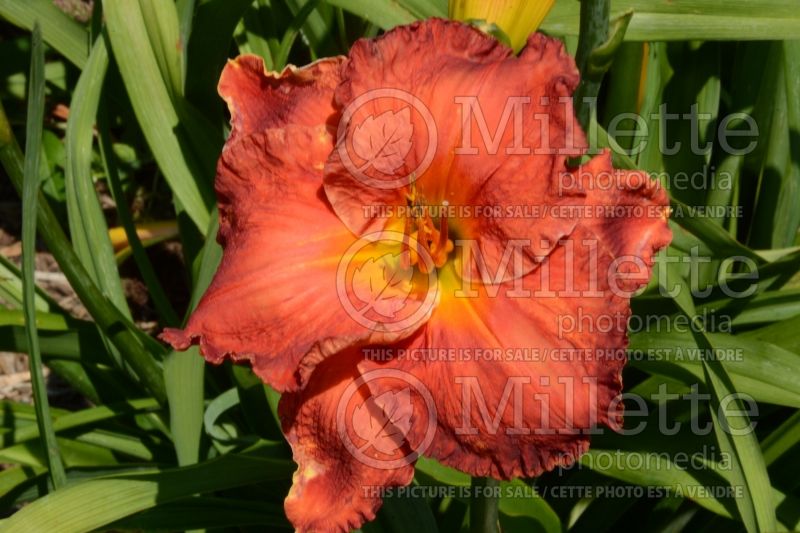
x,y
93,504
747,468
653,20
670,20
184,371
123,334
87,225
155,110
61,32
33,146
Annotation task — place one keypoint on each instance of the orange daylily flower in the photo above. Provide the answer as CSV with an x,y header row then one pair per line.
x,y
411,260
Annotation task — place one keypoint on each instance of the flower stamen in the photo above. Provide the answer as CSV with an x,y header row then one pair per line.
x,y
419,226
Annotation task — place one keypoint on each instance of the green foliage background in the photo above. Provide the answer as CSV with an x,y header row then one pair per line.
x,y
170,444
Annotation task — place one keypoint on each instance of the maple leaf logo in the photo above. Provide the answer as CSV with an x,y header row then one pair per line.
x,y
383,285
383,421
383,142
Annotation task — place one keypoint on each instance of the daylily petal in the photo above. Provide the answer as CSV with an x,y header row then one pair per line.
x,y
282,241
259,100
274,299
560,377
332,490
629,211
501,125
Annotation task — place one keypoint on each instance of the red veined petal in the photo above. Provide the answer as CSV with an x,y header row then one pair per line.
x,y
274,298
556,354
260,100
629,211
501,126
332,490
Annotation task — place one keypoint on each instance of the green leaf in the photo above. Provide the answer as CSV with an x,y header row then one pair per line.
x,y
85,417
61,32
212,33
667,20
657,471
88,227
154,287
117,496
783,334
762,370
73,453
748,469
781,439
522,509
128,339
33,142
207,513
184,371
215,409
385,13
11,288
291,33
183,375
11,479
154,108
791,65
400,514
163,27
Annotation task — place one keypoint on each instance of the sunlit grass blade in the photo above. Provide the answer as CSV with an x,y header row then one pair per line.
x,y
154,108
623,83
88,228
33,141
698,485
154,287
184,371
291,33
691,19
781,439
86,337
656,73
782,333
118,496
65,35
525,507
774,222
185,10
256,36
384,13
11,479
84,417
73,453
788,216
128,339
183,376
163,27
208,513
747,468
214,24
317,26
762,370
11,288
162,24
